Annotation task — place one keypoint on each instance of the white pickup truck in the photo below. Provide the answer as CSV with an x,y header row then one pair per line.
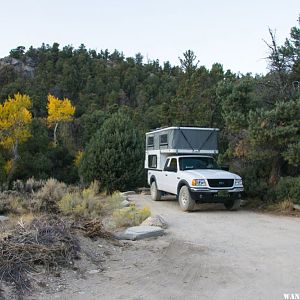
x,y
179,161
196,178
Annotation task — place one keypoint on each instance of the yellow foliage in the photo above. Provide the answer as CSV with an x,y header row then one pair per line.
x,y
8,166
78,158
130,216
59,110
15,118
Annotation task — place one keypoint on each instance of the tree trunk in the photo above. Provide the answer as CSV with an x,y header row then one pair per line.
x,y
14,163
275,171
55,135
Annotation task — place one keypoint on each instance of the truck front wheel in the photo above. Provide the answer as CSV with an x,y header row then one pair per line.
x,y
155,193
186,202
233,204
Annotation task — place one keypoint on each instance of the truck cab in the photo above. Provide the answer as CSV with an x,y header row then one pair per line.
x,y
179,161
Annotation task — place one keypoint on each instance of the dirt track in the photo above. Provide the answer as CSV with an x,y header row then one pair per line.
x,y
207,254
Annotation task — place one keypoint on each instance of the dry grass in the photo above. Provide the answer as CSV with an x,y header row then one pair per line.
x,y
283,206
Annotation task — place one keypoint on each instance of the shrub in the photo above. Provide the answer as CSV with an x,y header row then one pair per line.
x,y
130,216
14,202
84,203
114,155
114,201
32,185
287,188
46,199
18,186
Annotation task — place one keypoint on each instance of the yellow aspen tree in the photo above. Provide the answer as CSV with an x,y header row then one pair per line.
x,y
59,111
15,119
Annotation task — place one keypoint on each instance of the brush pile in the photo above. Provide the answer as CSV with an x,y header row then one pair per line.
x,y
94,228
45,241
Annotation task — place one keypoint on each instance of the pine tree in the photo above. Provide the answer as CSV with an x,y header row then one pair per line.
x,y
114,155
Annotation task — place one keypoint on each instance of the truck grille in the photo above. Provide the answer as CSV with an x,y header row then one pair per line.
x,y
220,182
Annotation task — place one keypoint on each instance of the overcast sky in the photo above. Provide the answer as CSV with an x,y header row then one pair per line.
x,y
230,32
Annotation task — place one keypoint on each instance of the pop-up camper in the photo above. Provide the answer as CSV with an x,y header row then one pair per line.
x,y
180,161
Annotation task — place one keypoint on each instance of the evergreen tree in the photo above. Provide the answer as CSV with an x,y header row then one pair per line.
x,y
114,155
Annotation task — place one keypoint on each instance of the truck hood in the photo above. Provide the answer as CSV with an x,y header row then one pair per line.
x,y
211,174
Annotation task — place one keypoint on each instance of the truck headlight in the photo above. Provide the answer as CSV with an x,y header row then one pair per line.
x,y
198,182
238,182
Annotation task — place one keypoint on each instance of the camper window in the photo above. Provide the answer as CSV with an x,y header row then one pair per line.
x,y
152,161
163,140
150,141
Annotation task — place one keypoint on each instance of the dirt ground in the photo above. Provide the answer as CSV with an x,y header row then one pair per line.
x,y
207,254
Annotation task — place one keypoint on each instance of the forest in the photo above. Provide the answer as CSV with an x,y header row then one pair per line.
x,y
78,115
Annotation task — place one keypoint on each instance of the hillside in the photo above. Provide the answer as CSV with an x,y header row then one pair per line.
x,y
258,115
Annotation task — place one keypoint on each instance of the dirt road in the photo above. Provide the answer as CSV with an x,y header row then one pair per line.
x,y
207,254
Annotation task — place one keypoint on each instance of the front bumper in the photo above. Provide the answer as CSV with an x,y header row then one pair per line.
x,y
205,195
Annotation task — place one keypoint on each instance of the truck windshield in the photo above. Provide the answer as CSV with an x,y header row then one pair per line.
x,y
193,163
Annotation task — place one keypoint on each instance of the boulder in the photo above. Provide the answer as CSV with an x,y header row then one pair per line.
x,y
155,221
140,232
128,193
3,218
297,206
125,203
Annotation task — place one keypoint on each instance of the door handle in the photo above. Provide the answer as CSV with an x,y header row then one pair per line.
x,y
166,174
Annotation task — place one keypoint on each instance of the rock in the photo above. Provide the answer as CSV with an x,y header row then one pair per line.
x,y
125,203
155,221
19,66
94,271
3,218
128,193
297,206
140,232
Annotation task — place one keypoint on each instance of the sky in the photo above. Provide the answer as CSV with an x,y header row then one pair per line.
x,y
229,32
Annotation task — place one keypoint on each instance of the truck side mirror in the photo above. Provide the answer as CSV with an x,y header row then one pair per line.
x,y
225,167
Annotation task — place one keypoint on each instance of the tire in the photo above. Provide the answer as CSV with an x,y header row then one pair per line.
x,y
185,200
233,204
155,193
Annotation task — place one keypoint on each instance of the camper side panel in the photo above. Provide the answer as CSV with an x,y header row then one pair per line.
x,y
195,139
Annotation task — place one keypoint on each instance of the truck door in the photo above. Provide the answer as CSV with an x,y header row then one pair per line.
x,y
170,176
161,178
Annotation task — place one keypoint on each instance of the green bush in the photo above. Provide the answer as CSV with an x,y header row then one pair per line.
x,y
254,179
114,155
287,188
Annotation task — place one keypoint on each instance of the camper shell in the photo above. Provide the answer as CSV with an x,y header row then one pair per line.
x,y
164,142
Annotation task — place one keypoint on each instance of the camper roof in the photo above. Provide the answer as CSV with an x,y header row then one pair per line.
x,y
178,127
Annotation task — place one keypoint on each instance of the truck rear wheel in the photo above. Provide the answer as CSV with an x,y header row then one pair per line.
x,y
185,200
155,193
233,204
